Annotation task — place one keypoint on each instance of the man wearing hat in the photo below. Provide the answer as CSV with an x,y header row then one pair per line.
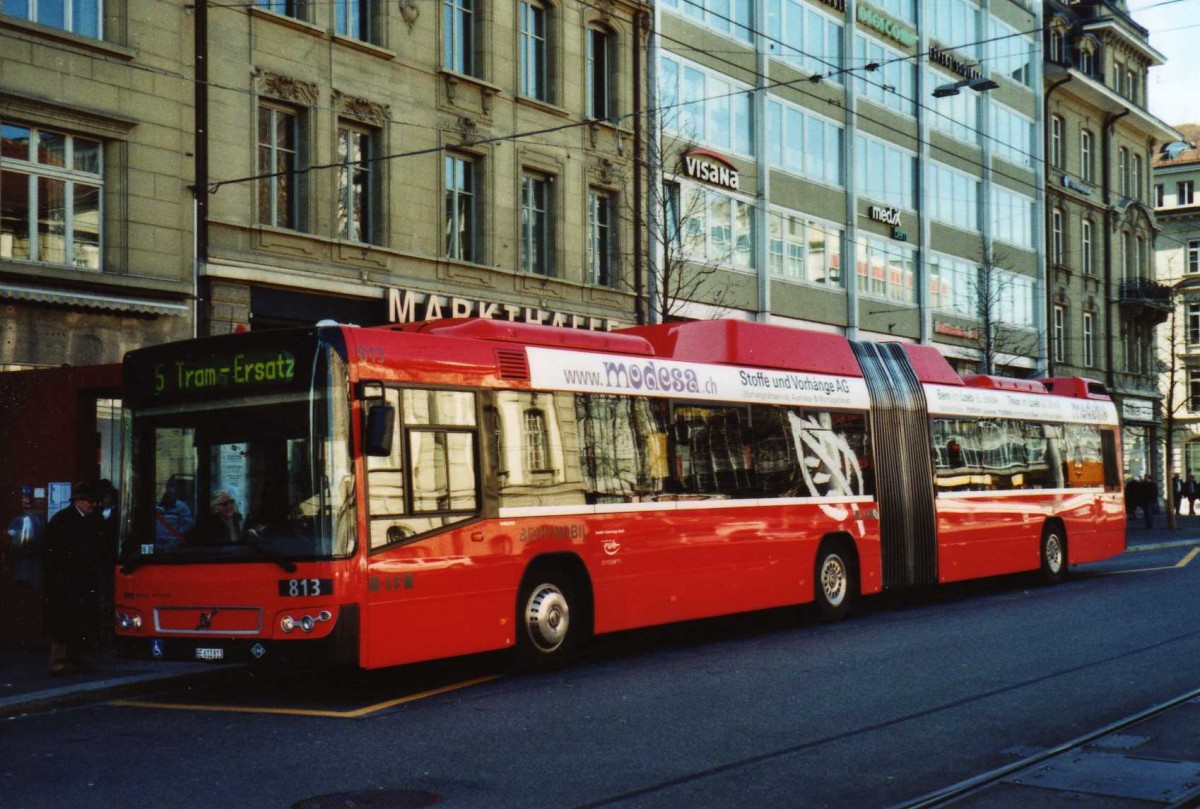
x,y
74,556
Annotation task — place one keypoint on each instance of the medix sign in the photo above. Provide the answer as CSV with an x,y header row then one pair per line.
x,y
407,306
710,167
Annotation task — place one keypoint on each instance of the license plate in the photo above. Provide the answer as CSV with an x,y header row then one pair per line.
x,y
210,654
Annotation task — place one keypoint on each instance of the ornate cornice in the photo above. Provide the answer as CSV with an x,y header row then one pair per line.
x,y
362,108
285,87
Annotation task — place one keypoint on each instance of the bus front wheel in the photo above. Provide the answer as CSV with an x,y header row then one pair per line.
x,y
549,617
834,582
1054,554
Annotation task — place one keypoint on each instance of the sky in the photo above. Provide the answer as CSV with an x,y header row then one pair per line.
x,y
1174,32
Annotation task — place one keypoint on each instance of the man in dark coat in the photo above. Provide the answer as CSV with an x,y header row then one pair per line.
x,y
75,554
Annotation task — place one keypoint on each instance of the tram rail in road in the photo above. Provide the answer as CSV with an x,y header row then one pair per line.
x,y
1104,763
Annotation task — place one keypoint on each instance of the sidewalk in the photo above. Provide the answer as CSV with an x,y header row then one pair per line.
x,y
27,687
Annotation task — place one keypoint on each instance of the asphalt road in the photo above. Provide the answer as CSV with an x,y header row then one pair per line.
x,y
911,694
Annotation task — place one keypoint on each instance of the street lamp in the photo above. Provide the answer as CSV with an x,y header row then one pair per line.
x,y
978,85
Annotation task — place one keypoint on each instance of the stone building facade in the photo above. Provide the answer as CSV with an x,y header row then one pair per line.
x,y
95,214
1177,256
1104,299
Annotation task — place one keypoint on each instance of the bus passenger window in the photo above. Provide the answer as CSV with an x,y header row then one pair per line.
x,y
538,450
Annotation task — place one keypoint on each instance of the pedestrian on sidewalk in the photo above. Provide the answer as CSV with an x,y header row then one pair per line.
x,y
1191,490
1176,492
74,556
1147,496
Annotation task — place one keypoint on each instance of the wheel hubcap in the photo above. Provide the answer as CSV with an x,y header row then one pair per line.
x,y
547,617
1054,557
834,580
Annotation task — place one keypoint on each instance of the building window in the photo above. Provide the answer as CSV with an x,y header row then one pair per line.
x,y
356,186
288,8
458,36
1086,144
1193,255
352,18
1013,135
1086,61
1193,323
1089,328
1060,333
462,192
1056,141
83,17
1160,195
1131,85
1056,230
894,83
51,188
732,19
953,197
1119,77
714,228
704,106
803,143
602,263
535,224
601,71
1183,193
885,173
534,434
1089,266
1057,44
1139,257
535,52
886,269
1123,170
1138,176
279,159
1193,375
1012,217
800,250
1123,248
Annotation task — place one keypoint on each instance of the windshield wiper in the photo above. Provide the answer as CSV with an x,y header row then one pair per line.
x,y
251,538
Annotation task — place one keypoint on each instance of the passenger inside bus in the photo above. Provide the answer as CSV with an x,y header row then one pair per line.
x,y
224,524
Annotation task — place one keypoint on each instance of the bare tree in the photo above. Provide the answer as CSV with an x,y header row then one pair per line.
x,y
691,241
1173,404
993,293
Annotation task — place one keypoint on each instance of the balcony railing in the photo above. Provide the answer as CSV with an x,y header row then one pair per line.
x,y
1147,295
1145,291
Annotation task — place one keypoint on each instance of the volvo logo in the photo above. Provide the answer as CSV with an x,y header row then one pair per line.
x,y
206,619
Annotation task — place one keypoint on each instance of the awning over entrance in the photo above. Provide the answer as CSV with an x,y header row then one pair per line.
x,y
92,300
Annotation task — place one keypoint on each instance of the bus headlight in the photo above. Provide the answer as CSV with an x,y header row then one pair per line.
x,y
129,621
306,622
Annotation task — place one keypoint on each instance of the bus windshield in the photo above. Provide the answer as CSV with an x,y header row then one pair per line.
x,y
257,477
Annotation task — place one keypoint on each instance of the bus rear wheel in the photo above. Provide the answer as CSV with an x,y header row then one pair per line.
x,y
834,582
1054,554
549,621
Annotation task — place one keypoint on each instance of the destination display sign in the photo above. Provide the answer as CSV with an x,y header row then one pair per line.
x,y
219,368
242,369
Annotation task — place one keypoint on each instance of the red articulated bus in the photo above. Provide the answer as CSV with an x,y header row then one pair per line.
x,y
378,496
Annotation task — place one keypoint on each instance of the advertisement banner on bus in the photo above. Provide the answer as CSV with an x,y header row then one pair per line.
x,y
599,373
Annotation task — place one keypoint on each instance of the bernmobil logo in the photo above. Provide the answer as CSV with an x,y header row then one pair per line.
x,y
710,167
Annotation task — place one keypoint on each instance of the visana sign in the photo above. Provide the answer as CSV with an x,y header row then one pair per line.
x,y
710,167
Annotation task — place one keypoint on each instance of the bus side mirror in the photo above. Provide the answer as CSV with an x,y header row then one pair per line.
x,y
381,423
